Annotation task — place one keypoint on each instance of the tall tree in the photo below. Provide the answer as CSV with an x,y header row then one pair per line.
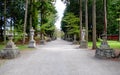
x,y
94,24
5,2
31,8
46,8
72,24
67,28
25,21
80,19
86,19
105,18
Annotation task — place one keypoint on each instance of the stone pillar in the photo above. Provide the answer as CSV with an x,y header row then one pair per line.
x,y
68,38
10,51
83,42
42,41
74,41
65,37
49,38
104,51
32,43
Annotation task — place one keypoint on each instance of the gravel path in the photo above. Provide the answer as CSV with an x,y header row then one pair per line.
x,y
59,58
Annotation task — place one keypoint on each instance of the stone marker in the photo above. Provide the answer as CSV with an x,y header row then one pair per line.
x,y
10,51
32,43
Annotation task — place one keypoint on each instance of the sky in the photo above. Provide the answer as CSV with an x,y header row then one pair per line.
x,y
60,7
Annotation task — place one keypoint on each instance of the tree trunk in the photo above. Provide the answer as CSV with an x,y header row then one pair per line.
x,y
94,24
30,20
80,19
86,19
42,22
31,8
105,18
5,22
25,21
119,28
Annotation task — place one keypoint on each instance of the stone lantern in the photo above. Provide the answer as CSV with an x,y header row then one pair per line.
x,y
104,51
32,43
10,51
83,43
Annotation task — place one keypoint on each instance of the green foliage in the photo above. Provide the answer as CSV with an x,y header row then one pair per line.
x,y
1,46
42,12
19,26
71,22
18,36
48,17
18,31
113,44
113,9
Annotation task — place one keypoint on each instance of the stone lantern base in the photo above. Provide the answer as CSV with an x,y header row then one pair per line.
x,y
10,51
42,42
32,44
75,42
105,51
83,44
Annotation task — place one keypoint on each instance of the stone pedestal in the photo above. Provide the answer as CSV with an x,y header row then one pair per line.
x,y
10,51
68,38
48,39
83,44
75,41
42,41
32,43
104,51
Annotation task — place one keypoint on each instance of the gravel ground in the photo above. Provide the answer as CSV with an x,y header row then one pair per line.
x,y
59,58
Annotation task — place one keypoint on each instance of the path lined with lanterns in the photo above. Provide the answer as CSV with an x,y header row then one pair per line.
x,y
59,58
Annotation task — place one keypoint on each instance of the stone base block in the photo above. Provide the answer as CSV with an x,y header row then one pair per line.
x,y
32,44
9,53
104,53
48,40
75,42
42,42
83,44
69,39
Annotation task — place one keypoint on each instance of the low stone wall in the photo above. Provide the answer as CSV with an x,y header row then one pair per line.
x,y
105,53
9,53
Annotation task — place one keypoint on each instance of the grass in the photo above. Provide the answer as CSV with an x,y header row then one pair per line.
x,y
112,44
1,47
24,47
20,47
